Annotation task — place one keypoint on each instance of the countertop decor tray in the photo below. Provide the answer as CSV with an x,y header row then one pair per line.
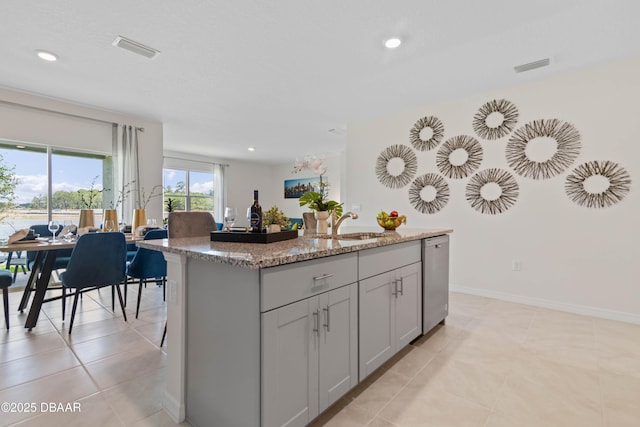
x,y
247,237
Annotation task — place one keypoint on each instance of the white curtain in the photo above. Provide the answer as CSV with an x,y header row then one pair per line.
x,y
126,174
219,191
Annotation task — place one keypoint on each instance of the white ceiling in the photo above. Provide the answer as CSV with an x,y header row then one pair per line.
x,y
279,74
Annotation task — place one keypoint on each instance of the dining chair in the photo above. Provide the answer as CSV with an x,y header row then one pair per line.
x,y
6,280
147,264
190,224
97,260
16,260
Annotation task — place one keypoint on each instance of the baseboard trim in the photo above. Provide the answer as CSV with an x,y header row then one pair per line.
x,y
173,408
554,305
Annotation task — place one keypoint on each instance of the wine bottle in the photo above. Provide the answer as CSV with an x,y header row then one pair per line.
x,y
255,221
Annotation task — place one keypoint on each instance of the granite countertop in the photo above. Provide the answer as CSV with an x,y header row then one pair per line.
x,y
306,246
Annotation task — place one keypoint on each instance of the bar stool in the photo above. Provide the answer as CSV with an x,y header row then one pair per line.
x,y
6,279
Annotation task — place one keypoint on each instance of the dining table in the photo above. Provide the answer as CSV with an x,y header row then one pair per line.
x,y
40,275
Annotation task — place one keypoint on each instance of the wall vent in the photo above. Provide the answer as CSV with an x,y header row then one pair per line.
x,y
135,47
532,65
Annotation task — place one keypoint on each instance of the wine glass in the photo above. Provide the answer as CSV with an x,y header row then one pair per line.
x,y
109,225
230,215
53,228
68,226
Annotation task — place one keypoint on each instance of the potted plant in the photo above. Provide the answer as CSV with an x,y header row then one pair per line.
x,y
139,213
275,219
317,200
112,212
88,199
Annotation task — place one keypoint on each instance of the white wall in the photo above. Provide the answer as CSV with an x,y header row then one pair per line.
x,y
573,258
18,122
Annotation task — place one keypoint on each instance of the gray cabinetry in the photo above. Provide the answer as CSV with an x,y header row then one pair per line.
x,y
309,347
436,281
390,315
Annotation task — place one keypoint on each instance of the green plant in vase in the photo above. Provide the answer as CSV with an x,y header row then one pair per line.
x,y
275,216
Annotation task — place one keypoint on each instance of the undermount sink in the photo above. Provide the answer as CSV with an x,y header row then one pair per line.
x,y
366,235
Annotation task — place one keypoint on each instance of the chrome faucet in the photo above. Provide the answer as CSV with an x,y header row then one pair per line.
x,y
335,225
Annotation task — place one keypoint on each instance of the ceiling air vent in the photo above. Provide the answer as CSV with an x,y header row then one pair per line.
x,y
532,65
135,47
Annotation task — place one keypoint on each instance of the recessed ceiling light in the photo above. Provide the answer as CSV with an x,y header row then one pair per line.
x,y
392,43
47,56
251,148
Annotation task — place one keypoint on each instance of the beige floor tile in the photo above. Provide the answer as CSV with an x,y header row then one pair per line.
x,y
125,366
380,392
30,346
414,407
381,422
93,411
151,331
412,362
621,395
30,368
439,337
64,387
90,331
17,331
109,345
137,399
159,419
351,416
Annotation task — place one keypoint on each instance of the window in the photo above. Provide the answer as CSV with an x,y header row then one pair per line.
x,y
191,186
51,183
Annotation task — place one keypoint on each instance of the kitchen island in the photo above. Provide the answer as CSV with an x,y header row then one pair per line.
x,y
272,334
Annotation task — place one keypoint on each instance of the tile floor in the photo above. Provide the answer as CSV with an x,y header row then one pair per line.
x,y
494,364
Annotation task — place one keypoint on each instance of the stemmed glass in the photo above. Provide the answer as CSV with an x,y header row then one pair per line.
x,y
109,225
53,228
230,215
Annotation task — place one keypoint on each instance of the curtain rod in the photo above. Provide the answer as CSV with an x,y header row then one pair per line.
x,y
197,161
46,110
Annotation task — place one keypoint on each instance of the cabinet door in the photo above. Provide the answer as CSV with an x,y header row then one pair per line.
x,y
290,364
377,322
338,363
408,299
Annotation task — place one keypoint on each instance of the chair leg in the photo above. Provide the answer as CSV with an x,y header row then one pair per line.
x,y
121,302
64,301
113,299
164,288
5,299
126,286
73,310
139,296
164,334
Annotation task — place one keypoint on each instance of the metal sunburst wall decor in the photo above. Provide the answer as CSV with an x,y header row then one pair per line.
x,y
437,133
508,186
509,114
405,154
619,184
461,142
568,142
439,201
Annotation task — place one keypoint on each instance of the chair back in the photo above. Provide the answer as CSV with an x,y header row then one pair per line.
x,y
148,263
98,259
190,224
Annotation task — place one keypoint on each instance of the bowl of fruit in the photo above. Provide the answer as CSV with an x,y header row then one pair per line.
x,y
390,221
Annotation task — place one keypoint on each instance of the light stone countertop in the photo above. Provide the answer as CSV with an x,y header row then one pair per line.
x,y
306,246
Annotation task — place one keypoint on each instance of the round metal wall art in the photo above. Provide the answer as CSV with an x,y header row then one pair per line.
x,y
504,180
437,129
405,154
461,142
429,180
619,184
568,142
509,119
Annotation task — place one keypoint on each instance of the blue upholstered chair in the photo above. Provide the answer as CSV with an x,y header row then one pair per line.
x,y
147,264
63,255
97,260
6,279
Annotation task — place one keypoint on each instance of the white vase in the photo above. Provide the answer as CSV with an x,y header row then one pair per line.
x,y
323,222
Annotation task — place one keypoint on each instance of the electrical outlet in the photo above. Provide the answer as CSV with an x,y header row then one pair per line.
x,y
516,265
172,294
356,207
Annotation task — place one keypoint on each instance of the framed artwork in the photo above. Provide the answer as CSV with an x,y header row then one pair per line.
x,y
294,188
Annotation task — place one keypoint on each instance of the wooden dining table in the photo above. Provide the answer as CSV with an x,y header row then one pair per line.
x,y
40,274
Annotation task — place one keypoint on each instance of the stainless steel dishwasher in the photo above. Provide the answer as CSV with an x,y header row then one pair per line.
x,y
435,258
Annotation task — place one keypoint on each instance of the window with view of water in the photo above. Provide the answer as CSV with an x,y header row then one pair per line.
x,y
52,184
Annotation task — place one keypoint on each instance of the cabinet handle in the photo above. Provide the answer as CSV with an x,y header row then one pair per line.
x,y
438,245
401,286
316,322
327,318
322,277
394,292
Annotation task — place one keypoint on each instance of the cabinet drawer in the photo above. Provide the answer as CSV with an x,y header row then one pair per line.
x,y
386,258
285,284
